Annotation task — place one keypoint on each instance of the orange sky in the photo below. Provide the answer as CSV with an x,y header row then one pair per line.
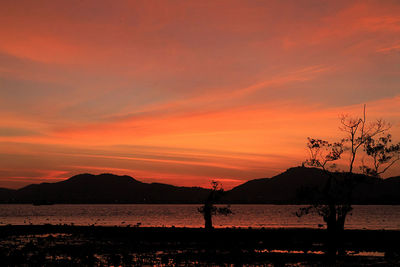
x,y
183,92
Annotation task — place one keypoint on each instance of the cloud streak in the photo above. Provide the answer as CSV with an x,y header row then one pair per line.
x,y
187,91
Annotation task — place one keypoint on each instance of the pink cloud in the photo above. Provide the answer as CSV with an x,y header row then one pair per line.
x,y
225,89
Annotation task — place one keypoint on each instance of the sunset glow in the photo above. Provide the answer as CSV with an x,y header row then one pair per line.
x,y
183,92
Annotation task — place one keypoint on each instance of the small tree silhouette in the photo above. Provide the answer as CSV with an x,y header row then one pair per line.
x,y
334,202
208,209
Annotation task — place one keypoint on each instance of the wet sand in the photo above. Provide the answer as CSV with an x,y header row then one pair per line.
x,y
66,245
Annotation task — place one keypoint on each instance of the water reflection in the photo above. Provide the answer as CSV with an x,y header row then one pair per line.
x,y
256,216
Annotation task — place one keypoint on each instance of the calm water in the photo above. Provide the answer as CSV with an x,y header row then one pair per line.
x,y
368,217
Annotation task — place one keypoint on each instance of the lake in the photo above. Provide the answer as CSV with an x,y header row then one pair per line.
x,y
270,216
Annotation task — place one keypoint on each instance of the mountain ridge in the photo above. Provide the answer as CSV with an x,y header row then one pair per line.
x,y
288,187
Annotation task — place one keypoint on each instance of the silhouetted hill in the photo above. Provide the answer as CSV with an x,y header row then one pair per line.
x,y
6,194
282,188
293,186
108,188
296,184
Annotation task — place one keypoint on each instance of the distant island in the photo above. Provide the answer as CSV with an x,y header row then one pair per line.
x,y
289,187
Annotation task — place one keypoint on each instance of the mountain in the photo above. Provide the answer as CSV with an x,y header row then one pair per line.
x,y
282,188
6,194
294,186
108,188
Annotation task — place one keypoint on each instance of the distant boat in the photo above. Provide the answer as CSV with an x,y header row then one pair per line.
x,y
42,202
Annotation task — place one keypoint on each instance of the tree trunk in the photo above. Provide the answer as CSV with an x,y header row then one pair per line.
x,y
352,163
340,232
335,229
208,216
331,225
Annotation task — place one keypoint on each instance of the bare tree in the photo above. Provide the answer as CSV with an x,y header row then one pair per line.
x,y
209,209
358,132
334,202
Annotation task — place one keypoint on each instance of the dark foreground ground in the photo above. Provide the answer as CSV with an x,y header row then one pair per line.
x,y
62,245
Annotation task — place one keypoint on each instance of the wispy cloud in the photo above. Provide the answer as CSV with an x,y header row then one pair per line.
x,y
188,93
393,48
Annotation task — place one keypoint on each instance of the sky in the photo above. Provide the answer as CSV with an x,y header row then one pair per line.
x,y
185,92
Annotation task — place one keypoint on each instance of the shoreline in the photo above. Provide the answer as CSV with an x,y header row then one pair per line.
x,y
112,245
290,238
192,203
